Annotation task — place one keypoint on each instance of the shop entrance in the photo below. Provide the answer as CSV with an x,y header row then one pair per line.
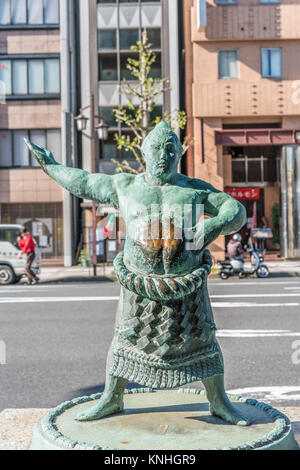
x,y
255,176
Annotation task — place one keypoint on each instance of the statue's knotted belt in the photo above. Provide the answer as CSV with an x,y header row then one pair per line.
x,y
165,334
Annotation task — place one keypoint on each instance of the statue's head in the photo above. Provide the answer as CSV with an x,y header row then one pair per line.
x,y
162,151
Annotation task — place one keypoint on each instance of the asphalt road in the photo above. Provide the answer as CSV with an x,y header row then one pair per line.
x,y
54,340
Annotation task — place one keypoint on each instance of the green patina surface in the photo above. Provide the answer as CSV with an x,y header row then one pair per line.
x,y
166,420
165,330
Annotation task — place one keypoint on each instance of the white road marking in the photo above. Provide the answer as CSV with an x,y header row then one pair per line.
x,y
250,304
251,283
254,333
13,300
270,394
239,296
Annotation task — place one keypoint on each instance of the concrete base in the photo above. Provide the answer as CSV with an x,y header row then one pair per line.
x,y
163,420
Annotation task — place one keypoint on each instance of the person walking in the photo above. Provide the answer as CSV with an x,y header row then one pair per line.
x,y
27,245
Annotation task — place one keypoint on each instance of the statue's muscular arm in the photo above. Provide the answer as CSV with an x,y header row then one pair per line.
x,y
227,215
96,187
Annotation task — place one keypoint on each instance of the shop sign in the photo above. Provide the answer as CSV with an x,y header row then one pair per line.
x,y
244,194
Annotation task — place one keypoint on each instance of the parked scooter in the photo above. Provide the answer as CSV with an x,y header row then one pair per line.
x,y
235,267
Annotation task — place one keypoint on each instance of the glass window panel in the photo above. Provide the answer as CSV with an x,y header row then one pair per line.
x,y
36,77
154,37
109,148
225,2
127,154
270,151
108,115
157,112
271,63
5,149
125,73
128,38
38,138
253,152
18,11
35,11
238,171
54,143
270,171
20,85
107,39
269,1
156,68
4,11
108,67
52,76
51,11
237,152
254,171
228,67
5,75
21,152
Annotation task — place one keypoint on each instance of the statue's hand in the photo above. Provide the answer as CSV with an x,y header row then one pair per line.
x,y
43,156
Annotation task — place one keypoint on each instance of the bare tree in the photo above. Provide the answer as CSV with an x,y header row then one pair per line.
x,y
142,97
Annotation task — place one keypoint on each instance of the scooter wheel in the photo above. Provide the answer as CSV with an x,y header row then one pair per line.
x,y
262,271
224,276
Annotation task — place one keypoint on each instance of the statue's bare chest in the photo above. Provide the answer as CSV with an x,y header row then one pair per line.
x,y
166,201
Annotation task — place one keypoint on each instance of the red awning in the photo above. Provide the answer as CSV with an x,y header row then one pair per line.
x,y
246,137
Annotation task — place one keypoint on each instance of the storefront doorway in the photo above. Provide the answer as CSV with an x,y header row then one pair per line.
x,y
255,176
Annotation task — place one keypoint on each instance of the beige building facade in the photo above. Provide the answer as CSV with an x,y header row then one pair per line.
x,y
243,107
30,106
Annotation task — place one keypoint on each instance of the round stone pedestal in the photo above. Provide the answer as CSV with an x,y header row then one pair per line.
x,y
163,420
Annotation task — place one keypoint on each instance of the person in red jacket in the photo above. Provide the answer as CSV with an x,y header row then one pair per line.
x,y
27,245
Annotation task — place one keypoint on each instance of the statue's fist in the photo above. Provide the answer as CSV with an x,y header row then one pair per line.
x,y
43,156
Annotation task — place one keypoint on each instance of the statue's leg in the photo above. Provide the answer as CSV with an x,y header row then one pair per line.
x,y
111,401
220,405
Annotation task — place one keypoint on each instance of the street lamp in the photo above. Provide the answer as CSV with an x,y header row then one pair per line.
x,y
102,131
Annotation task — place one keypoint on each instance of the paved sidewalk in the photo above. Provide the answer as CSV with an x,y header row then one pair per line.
x,y
106,272
76,274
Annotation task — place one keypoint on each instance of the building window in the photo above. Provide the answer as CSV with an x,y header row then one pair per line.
x,y
107,39
30,76
271,62
128,37
228,64
255,165
269,1
226,2
15,154
108,149
29,12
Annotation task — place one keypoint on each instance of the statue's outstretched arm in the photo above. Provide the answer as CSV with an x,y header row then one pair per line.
x,y
95,187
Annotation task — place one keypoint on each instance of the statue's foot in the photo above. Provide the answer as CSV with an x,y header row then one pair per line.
x,y
225,410
101,410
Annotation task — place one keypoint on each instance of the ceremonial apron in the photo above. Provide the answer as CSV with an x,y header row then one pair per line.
x,y
165,333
